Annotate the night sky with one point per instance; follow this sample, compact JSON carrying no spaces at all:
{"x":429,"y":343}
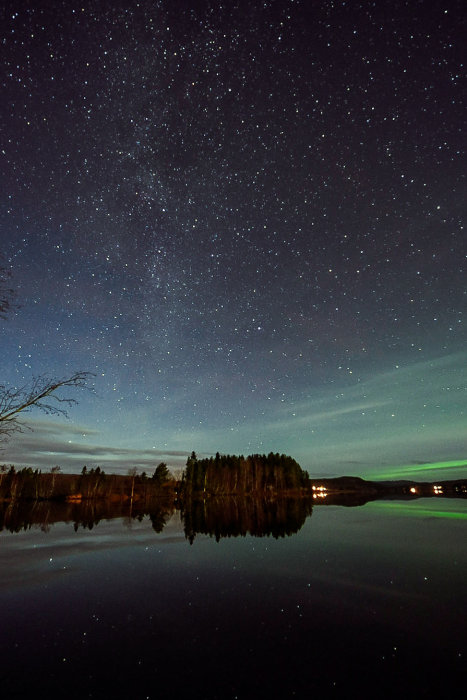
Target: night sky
{"x":246,"y":219}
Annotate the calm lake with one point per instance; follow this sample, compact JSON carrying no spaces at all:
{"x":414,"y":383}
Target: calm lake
{"x":333,"y":599}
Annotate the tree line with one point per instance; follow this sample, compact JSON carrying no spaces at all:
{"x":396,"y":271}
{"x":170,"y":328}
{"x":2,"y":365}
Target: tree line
{"x":91,"y":484}
{"x":219,"y":475}
{"x":231,"y":474}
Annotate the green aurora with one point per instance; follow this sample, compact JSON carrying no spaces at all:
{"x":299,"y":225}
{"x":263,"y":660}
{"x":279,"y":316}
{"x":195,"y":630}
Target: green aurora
{"x":410,"y":471}
{"x":420,"y":510}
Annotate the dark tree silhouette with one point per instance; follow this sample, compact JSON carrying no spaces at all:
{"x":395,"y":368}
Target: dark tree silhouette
{"x":162,"y":474}
{"x":229,"y":474}
{"x":41,"y":394}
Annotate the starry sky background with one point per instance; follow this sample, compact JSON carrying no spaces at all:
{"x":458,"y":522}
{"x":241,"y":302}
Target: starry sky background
{"x":246,"y":219}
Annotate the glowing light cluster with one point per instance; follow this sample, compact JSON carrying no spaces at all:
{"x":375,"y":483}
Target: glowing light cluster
{"x":319,"y":491}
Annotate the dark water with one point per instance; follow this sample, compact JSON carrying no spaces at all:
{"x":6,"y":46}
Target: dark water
{"x":339,"y":601}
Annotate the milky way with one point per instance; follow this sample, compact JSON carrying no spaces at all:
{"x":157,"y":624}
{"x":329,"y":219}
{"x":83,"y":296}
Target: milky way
{"x":246,"y":219}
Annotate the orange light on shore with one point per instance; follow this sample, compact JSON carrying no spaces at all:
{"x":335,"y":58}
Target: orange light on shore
{"x":319,"y":491}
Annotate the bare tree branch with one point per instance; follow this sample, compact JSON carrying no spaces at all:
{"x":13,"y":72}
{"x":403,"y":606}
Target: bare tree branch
{"x":41,"y":394}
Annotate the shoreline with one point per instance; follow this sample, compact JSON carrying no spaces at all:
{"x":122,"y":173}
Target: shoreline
{"x":26,"y":485}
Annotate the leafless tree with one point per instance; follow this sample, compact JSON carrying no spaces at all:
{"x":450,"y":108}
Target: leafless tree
{"x":41,"y":394}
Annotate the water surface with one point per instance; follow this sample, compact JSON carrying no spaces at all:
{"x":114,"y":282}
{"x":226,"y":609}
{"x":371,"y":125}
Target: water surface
{"x":340,"y":601}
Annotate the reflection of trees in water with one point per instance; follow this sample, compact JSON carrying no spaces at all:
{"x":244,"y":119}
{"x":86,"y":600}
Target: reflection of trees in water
{"x":159,"y":519}
{"x":236,"y":516}
{"x":218,"y":517}
{"x":24,"y":515}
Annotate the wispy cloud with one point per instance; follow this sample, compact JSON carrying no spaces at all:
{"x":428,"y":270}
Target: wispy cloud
{"x":50,"y":443}
{"x":305,"y":414}
{"x":51,"y":427}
